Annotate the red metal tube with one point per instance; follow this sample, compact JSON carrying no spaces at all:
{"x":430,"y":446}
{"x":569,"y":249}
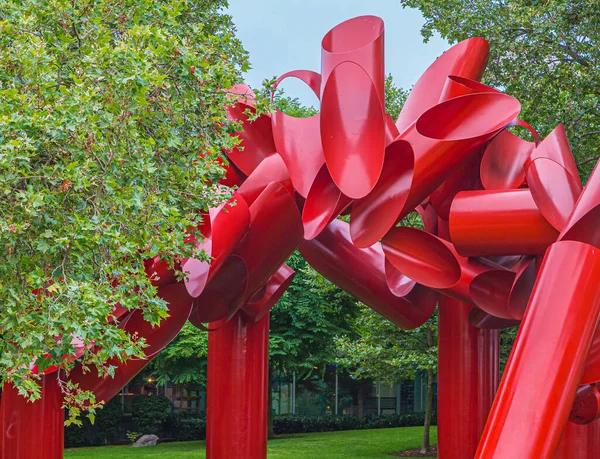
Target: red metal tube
{"x":32,"y":430}
{"x":335,"y":257}
{"x":237,"y":389}
{"x":499,"y":222}
{"x":467,"y":379}
{"x":547,"y":361}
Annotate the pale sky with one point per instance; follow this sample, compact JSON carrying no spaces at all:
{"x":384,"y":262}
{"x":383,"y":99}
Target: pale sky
{"x":286,"y":35}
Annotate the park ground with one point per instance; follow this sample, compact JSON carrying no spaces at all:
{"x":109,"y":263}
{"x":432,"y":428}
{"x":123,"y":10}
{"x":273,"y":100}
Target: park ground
{"x":352,"y":444}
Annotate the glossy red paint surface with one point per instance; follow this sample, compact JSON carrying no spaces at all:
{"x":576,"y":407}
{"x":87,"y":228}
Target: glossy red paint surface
{"x":562,"y":314}
{"x":275,"y":232}
{"x":298,"y":141}
{"x":433,"y":262}
{"x":256,"y":308}
{"x":466,"y":59}
{"x":352,"y":130}
{"x":591,"y":373}
{"x":323,"y":203}
{"x":224,"y":294}
{"x":502,"y":166}
{"x":237,"y":389}
{"x":468,"y":374}
{"x":358,"y":40}
{"x":270,"y":169}
{"x":335,"y":257}
{"x":229,"y":224}
{"x":579,"y":442}
{"x":554,"y":190}
{"x":582,"y":223}
{"x":465,"y":178}
{"x":440,"y":147}
{"x":556,"y":147}
{"x":501,"y":222}
{"x":456,"y":86}
{"x":375,"y":214}
{"x":32,"y":430}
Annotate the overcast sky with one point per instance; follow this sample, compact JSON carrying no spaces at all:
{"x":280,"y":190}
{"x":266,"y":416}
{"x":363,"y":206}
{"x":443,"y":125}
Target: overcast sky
{"x":286,"y":35}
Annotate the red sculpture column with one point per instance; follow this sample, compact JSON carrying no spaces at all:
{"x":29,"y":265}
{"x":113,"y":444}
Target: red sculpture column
{"x":237,"y":388}
{"x":468,"y":371}
{"x":535,"y":398}
{"x":32,"y":430}
{"x":580,"y":441}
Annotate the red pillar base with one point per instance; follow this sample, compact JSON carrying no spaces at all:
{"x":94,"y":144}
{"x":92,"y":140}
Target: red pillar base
{"x":467,"y":379}
{"x":32,"y":430}
{"x":237,"y":389}
{"x":580,"y":441}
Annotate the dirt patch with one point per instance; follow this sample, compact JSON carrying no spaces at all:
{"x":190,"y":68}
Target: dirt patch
{"x":431,"y":452}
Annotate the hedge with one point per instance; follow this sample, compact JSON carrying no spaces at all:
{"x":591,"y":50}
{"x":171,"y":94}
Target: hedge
{"x":289,"y":424}
{"x":112,"y":425}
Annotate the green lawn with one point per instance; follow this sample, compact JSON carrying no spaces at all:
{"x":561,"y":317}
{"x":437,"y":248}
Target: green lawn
{"x":352,"y":444}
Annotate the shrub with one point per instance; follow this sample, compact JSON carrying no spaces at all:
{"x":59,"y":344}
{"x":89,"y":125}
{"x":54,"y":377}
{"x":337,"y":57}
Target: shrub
{"x":106,"y":430}
{"x":150,"y":413}
{"x":289,"y":424}
{"x":190,"y":426}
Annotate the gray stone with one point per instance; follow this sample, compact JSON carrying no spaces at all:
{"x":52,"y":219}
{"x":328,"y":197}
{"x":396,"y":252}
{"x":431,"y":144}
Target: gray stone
{"x":146,"y":440}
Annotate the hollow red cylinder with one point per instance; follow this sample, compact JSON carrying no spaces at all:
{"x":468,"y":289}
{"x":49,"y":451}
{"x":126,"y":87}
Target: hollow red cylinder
{"x":33,"y":430}
{"x":542,"y":375}
{"x":468,"y":372}
{"x":499,"y":222}
{"x":237,"y":388}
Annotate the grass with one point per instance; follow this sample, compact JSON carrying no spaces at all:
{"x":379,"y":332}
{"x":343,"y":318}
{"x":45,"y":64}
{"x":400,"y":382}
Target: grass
{"x":352,"y":444}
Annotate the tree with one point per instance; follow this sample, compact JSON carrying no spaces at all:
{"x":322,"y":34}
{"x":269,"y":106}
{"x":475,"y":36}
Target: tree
{"x":306,"y":322}
{"x":543,"y":53}
{"x":112,"y":121}
{"x":184,"y":361}
{"x":386,"y":353}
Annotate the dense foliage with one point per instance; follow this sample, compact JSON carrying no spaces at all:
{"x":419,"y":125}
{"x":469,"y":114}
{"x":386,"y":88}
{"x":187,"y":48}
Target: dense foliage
{"x":306,"y":320}
{"x":111,"y":121}
{"x":150,"y":413}
{"x":545,"y":53}
{"x":184,"y":361}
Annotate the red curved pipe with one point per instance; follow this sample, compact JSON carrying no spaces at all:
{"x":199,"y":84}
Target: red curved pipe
{"x":334,"y":255}
{"x":466,"y":59}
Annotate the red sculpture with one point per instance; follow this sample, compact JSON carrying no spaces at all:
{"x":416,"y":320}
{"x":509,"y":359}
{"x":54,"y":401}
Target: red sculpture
{"x":510,"y":237}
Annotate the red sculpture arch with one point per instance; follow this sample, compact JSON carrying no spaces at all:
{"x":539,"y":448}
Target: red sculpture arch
{"x":511,"y":237}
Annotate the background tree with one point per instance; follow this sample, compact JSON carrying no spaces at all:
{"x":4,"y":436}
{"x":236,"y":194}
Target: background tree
{"x":305,"y":324}
{"x":545,"y":53}
{"x":385,"y":352}
{"x":111,"y":121}
{"x":184,"y":361}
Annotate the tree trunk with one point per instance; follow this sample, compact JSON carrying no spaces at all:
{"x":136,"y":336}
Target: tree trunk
{"x":426,"y":445}
{"x":361,"y":401}
{"x":270,"y":430}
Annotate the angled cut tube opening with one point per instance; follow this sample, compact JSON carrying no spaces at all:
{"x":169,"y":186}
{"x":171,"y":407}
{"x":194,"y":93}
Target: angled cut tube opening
{"x":422,"y":257}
